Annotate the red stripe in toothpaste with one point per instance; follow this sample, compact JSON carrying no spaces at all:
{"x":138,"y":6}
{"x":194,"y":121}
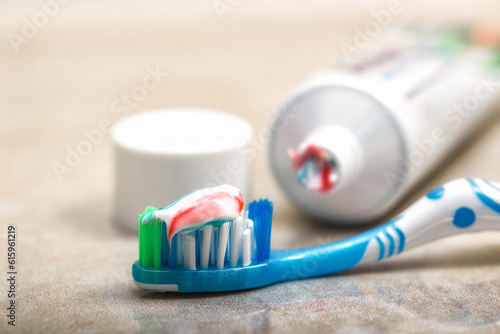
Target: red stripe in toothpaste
{"x":198,"y":209}
{"x":215,"y":206}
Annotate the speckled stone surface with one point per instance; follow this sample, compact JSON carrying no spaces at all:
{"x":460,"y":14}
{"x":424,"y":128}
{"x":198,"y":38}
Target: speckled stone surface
{"x":74,"y":263}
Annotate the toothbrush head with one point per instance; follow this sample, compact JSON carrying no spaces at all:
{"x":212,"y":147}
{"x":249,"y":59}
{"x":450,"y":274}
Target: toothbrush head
{"x":220,"y":254}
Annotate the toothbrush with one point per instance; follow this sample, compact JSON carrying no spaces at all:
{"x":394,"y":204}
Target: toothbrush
{"x":232,"y":251}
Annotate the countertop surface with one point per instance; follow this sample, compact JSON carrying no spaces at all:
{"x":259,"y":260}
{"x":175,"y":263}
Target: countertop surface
{"x":73,"y":262}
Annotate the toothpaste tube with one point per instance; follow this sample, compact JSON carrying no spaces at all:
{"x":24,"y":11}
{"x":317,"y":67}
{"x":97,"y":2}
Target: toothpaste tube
{"x":350,"y":143}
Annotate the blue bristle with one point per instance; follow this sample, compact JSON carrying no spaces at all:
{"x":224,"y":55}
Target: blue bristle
{"x":261,"y":212}
{"x":197,"y":242}
{"x":172,"y":261}
{"x":164,"y":245}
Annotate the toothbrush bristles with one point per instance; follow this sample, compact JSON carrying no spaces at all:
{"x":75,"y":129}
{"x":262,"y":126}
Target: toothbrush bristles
{"x":180,"y":246}
{"x":261,"y":213}
{"x":247,"y":250}
{"x":238,"y":242}
{"x":189,"y":251}
{"x":236,"y":231}
{"x":208,"y":232}
{"x":221,"y":250}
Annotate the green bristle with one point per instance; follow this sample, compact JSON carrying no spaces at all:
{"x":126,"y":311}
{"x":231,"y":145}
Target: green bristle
{"x":145,"y":237}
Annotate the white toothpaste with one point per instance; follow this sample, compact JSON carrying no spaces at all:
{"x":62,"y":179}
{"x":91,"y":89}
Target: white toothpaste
{"x":199,"y":208}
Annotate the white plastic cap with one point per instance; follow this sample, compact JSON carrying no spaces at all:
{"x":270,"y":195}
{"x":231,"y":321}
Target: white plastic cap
{"x":163,"y":155}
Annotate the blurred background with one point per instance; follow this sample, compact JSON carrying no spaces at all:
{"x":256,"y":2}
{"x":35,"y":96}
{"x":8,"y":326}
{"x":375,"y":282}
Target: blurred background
{"x":65,"y":66}
{"x":60,"y":73}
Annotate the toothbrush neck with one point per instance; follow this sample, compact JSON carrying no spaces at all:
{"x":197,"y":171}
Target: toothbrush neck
{"x":319,"y":260}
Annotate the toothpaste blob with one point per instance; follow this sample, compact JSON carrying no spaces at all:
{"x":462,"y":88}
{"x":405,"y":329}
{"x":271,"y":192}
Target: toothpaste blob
{"x":199,"y":208}
{"x":315,"y":167}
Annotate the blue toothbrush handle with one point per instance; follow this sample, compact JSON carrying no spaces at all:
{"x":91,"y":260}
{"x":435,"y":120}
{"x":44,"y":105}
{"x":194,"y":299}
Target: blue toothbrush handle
{"x":462,"y":205}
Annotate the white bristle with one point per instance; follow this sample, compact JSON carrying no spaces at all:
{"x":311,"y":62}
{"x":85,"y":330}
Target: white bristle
{"x":221,"y":249}
{"x":247,"y":248}
{"x":190,"y":251}
{"x":228,"y":247}
{"x":236,"y":231}
{"x":250,"y":224}
{"x":208,"y":232}
{"x":179,"y":249}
